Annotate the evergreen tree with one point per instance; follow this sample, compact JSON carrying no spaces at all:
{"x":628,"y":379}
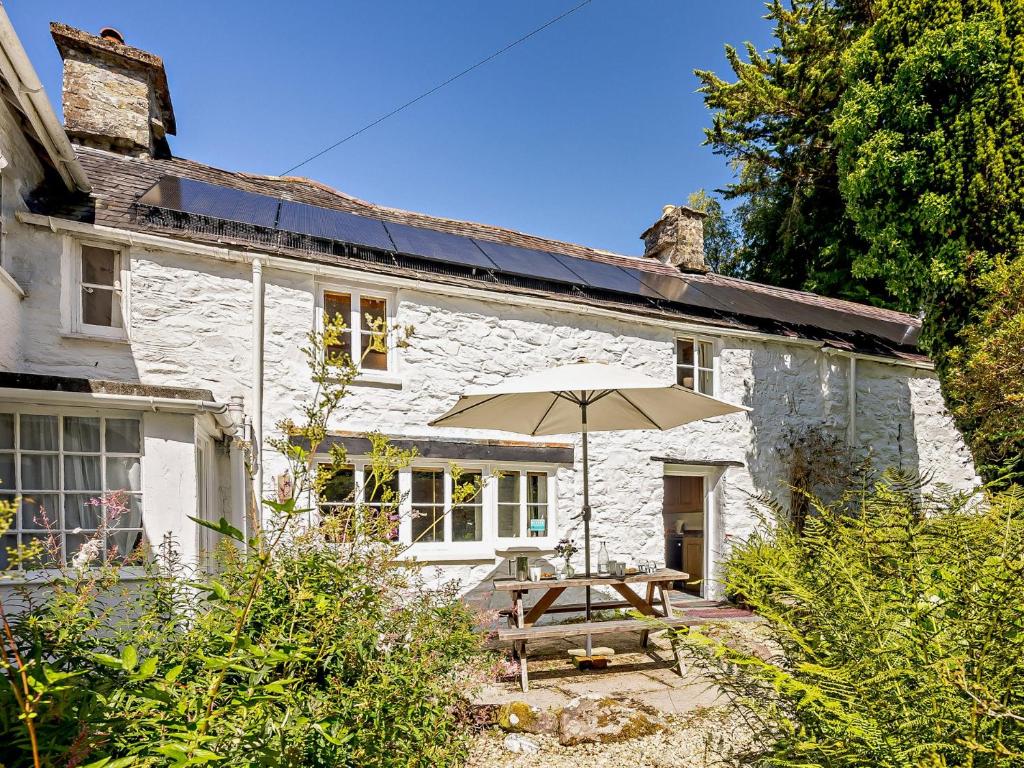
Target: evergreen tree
{"x":774,"y":124}
{"x":721,"y":245}
{"x":931,"y":151}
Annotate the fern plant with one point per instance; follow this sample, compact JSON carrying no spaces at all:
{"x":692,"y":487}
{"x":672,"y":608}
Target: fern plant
{"x":895,"y":633}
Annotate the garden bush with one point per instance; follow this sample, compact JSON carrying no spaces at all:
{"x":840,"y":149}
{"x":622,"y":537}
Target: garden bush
{"x":308,"y":645}
{"x":895,"y":634}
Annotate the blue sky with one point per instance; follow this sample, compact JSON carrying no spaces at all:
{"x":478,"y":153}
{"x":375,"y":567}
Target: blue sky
{"x":582,"y":133}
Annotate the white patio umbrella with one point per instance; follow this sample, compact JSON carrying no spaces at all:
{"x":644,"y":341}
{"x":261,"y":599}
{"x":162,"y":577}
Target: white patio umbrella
{"x":582,"y":397}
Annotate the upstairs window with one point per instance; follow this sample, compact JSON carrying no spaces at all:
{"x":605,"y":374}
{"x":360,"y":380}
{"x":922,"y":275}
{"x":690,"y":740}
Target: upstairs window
{"x":695,"y":365}
{"x":99,"y":302}
{"x":366,"y":316}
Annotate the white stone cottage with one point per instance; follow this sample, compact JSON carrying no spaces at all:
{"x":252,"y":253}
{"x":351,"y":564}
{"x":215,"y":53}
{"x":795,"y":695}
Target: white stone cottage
{"x":153,"y":309}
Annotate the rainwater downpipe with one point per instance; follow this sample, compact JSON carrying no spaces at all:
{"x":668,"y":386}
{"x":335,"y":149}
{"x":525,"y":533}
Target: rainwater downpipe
{"x":257,"y":385}
{"x":851,"y":396}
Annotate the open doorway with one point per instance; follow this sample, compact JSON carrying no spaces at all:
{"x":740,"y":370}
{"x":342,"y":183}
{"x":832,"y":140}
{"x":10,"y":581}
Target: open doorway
{"x":684,"y":515}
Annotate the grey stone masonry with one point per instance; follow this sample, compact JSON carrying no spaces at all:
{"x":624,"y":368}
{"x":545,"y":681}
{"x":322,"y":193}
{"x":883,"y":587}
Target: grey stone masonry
{"x":677,"y":239}
{"x":115,"y":96}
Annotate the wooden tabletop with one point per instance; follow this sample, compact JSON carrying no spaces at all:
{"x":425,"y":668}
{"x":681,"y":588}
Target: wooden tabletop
{"x":662,"y":574}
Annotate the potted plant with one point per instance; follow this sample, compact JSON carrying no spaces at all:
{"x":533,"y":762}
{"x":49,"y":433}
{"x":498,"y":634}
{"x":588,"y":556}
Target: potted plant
{"x":565,"y":549}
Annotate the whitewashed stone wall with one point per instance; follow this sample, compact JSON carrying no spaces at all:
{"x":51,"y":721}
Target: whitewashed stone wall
{"x":191,"y":326}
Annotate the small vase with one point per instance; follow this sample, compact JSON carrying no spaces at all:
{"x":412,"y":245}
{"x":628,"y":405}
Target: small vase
{"x":569,"y":571}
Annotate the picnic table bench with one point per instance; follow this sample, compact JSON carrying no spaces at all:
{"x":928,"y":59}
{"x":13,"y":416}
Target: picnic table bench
{"x":522,"y":621}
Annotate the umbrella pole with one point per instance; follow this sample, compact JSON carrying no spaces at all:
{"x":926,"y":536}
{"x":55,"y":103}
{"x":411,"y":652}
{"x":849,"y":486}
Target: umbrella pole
{"x":586,"y":515}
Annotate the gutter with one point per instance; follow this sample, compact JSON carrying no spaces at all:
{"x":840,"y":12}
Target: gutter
{"x":219,"y":411}
{"x":54,"y":137}
{"x":171,"y":245}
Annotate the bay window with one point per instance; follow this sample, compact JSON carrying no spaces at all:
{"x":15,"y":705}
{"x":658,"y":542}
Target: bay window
{"x":75,"y":478}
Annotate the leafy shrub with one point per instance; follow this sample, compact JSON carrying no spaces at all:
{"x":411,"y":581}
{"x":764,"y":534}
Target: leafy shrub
{"x":895,"y":632}
{"x":310,"y":645}
{"x":985,"y":376}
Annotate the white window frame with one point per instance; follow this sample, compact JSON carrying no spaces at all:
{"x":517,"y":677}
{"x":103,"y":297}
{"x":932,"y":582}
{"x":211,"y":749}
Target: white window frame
{"x":699,"y":365}
{"x":357,"y":292}
{"x":74,"y":284}
{"x":484,"y":549}
{"x":60,"y":412}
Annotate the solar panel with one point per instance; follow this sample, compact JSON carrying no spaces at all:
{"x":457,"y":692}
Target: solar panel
{"x":527,"y":262}
{"x":217,"y":202}
{"x":677,"y":290}
{"x":333,"y":225}
{"x":599,"y":274}
{"x":439,"y":246}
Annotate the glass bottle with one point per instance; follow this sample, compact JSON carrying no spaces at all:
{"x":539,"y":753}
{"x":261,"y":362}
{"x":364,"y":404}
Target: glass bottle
{"x":602,"y":560}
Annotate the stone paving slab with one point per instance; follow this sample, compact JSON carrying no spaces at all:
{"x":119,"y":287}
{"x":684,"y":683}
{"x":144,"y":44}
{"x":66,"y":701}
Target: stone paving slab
{"x":648,"y":677}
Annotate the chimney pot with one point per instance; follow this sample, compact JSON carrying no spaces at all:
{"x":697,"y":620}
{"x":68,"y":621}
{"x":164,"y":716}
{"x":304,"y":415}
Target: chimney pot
{"x":109,"y":33}
{"x":677,"y":239}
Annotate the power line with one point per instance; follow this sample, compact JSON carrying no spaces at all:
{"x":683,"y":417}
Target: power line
{"x":439,"y":86}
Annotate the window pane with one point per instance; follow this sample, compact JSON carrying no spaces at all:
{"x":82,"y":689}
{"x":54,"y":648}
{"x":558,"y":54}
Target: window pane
{"x":536,"y":504}
{"x":38,"y":433}
{"x":123,"y":544}
{"x":6,"y":430}
{"x":508,"y":505}
{"x":684,"y":352}
{"x":468,"y":516}
{"x":49,"y":545}
{"x":40,"y":510}
{"x":707,"y":354}
{"x":81,"y":434}
{"x":123,"y":510}
{"x":122,"y":436}
{"x":428,"y":486}
{"x":82,"y":510}
{"x":124,"y":474}
{"x":82,"y":473}
{"x":375,"y":356}
{"x":373,"y":314}
{"x":707,"y":382}
{"x":427,"y":505}
{"x":508,"y":521}
{"x":101,"y":306}
{"x":8,"y":546}
{"x":98,"y":265}
{"x":338,"y":306}
{"x":39,"y":473}
{"x":684,"y":377}
{"x":373,"y":324}
{"x":508,"y":488}
{"x":340,"y":486}
{"x":381,"y":492}
{"x":7,"y":472}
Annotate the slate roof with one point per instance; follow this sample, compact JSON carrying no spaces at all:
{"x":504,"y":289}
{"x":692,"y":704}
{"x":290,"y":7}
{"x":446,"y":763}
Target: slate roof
{"x":119,"y":180}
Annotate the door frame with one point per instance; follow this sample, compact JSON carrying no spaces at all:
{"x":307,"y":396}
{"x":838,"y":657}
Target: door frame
{"x":712,"y":476}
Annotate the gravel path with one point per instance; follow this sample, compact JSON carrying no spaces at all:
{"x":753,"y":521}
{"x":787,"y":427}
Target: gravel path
{"x":701,"y":739}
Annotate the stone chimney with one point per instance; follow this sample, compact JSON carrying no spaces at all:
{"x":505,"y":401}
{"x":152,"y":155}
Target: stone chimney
{"x":677,"y":239}
{"x":115,"y":96}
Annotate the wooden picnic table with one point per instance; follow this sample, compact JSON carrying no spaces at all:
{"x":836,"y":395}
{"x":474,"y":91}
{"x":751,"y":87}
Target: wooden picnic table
{"x":658,"y":581}
{"x":522,"y":620}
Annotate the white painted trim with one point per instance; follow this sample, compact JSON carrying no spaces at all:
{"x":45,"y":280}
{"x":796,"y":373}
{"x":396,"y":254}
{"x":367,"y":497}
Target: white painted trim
{"x":43,"y":397}
{"x":356,"y":290}
{"x":156,"y":242}
{"x":21,"y":75}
